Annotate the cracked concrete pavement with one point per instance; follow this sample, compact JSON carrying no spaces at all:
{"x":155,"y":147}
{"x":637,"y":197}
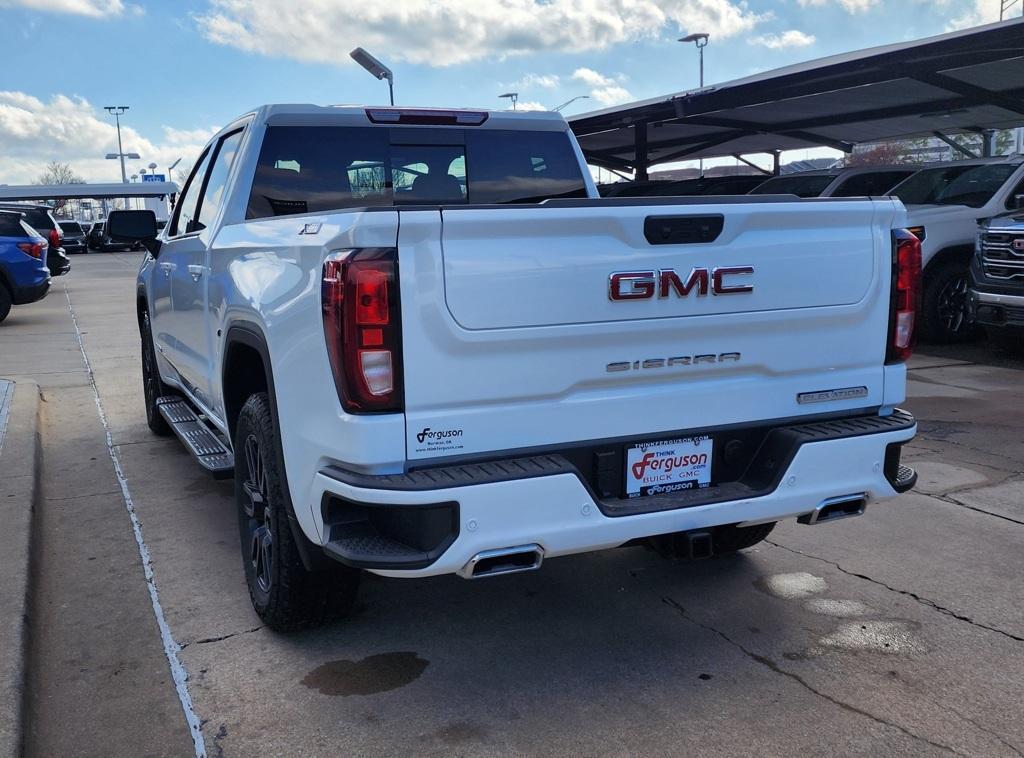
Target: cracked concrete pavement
{"x":898,"y":633}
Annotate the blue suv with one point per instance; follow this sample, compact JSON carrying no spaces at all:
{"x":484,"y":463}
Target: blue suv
{"x":24,"y":276}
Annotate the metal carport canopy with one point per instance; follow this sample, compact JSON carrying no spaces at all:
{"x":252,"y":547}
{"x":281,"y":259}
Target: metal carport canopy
{"x":964,"y":81}
{"x":42,"y":192}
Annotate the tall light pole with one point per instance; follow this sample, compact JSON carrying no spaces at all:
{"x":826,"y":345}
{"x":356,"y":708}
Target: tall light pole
{"x":376,"y":68}
{"x":700,"y":39}
{"x":513,"y":96}
{"x":117,"y":111}
{"x":170,"y":170}
{"x":569,"y":102}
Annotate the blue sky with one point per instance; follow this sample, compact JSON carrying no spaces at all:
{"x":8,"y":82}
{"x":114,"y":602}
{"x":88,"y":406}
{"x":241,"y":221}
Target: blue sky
{"x":187,"y":67}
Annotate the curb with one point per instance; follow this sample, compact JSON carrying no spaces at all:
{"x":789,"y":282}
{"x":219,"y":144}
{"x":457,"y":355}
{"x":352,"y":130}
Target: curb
{"x":19,"y":486}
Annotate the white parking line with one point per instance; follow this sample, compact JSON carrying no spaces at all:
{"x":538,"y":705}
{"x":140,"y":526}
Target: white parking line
{"x":171,"y":647}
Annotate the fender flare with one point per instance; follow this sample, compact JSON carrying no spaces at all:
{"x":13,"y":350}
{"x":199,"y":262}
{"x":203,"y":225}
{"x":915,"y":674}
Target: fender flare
{"x":251,"y":335}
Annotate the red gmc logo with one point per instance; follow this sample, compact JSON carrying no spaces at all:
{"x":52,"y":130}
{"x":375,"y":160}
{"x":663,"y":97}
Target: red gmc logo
{"x":644,"y":285}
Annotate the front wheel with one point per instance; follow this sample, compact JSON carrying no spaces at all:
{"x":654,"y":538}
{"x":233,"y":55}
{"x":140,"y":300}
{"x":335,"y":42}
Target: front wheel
{"x":944,"y":314}
{"x":284,"y":594}
{"x":152,"y":387}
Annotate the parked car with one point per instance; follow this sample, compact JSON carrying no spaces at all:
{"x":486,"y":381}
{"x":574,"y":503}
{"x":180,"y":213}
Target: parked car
{"x":542,"y":374}
{"x":997,"y":279}
{"x":854,"y":181}
{"x":97,"y":239}
{"x":944,"y":206}
{"x":24,"y":277}
{"x":739,"y":184}
{"x":40,"y":218}
{"x":74,"y":237}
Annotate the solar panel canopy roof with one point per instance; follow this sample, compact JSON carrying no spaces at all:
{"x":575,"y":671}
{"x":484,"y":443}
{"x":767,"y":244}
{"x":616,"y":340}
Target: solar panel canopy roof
{"x":965,"y":81}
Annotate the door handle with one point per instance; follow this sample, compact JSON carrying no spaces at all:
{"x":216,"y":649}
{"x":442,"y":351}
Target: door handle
{"x":196,"y":272}
{"x":167,"y":268}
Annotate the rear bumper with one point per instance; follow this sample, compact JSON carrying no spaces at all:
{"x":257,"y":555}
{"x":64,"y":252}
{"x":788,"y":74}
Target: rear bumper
{"x":31,"y":293}
{"x":462,"y":511}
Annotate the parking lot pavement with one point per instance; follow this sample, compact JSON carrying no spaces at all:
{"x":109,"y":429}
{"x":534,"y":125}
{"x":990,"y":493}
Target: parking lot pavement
{"x":899,"y":633}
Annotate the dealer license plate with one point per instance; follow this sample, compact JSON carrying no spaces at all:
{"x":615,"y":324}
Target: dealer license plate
{"x":654,"y":468}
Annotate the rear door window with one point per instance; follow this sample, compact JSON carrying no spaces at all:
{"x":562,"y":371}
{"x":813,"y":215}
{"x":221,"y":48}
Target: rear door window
{"x":213,"y":195}
{"x":10,"y":225}
{"x":306,"y":169}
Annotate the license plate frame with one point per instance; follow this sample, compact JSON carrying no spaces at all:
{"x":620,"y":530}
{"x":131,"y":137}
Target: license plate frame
{"x":659,"y":467}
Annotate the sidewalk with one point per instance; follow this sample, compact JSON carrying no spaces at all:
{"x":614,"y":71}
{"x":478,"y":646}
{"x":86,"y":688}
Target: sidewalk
{"x":19,"y":482}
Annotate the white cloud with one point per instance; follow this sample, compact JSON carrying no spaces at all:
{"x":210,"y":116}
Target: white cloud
{"x":447,"y":32}
{"x":789,"y":38}
{"x":850,"y":6}
{"x":530,"y":105}
{"x":94,"y":8}
{"x":975,"y":13}
{"x":70,"y":129}
{"x":604,"y":89}
{"x":547,"y":81}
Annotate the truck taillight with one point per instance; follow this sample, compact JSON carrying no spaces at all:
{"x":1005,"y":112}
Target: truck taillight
{"x":362,"y":328}
{"x":32,"y":249}
{"x":54,"y":238}
{"x":906,"y":296}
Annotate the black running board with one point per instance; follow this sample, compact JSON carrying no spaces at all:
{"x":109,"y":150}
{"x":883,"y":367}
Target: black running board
{"x":206,"y":447}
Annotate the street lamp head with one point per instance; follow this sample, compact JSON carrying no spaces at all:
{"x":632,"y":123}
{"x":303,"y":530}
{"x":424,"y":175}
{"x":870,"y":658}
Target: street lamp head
{"x":152,"y":167}
{"x":371,"y":64}
{"x":132,"y":156}
{"x":699,"y":38}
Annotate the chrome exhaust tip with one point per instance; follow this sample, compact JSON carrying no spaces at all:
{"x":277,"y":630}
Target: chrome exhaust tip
{"x":506,"y":560}
{"x":835,"y":508}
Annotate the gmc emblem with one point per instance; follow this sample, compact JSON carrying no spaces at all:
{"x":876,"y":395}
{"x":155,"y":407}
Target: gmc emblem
{"x":642,"y":285}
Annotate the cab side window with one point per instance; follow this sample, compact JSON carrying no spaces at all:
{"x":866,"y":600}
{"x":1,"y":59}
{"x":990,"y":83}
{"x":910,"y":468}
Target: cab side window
{"x":185,"y":214}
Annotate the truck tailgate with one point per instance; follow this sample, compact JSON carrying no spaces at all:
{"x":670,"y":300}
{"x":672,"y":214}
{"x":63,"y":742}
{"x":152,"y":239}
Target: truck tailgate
{"x":517,"y":335}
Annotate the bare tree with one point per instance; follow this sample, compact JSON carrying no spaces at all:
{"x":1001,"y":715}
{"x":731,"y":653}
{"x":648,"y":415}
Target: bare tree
{"x":57,"y":172}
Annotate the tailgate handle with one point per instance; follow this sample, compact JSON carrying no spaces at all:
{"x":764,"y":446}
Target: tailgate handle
{"x":683,"y":230}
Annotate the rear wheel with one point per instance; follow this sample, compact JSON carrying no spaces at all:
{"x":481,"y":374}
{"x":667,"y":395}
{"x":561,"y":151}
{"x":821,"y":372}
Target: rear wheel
{"x":5,"y":302}
{"x":944,"y":315}
{"x":152,"y":387}
{"x":284,"y":594}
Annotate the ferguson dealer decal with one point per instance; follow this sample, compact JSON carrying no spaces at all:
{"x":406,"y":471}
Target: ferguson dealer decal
{"x":438,"y":440}
{"x":655,"y":468}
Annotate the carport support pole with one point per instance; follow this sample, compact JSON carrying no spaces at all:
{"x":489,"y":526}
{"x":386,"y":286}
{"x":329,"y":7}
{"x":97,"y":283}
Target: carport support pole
{"x":640,"y":161}
{"x":988,"y":143}
{"x":776,"y":168}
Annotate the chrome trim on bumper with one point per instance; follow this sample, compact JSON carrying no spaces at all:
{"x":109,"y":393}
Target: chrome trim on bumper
{"x":992,"y":298}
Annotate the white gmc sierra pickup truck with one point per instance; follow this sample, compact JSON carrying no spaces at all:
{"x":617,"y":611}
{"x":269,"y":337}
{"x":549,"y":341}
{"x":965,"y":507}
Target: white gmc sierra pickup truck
{"x":422,"y":344}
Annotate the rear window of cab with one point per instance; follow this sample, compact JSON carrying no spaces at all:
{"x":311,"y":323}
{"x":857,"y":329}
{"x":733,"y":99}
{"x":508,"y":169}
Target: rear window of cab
{"x":306,"y":169}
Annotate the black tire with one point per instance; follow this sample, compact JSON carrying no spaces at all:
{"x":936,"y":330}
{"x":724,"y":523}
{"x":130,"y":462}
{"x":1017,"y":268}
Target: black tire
{"x":5,"y":302}
{"x":944,"y":316}
{"x":152,"y":387}
{"x":284,"y":594}
{"x":730,"y":538}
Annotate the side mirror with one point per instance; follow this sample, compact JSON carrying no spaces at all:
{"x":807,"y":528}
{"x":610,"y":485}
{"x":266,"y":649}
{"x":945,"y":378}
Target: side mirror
{"x":134,"y":226}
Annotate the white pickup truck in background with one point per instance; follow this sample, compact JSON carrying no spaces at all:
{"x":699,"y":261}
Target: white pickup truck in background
{"x":422,"y":344}
{"x":945,"y":204}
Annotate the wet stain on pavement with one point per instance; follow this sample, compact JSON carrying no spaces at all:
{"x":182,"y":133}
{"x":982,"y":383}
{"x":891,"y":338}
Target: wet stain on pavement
{"x":794,"y":586}
{"x":370,"y":676}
